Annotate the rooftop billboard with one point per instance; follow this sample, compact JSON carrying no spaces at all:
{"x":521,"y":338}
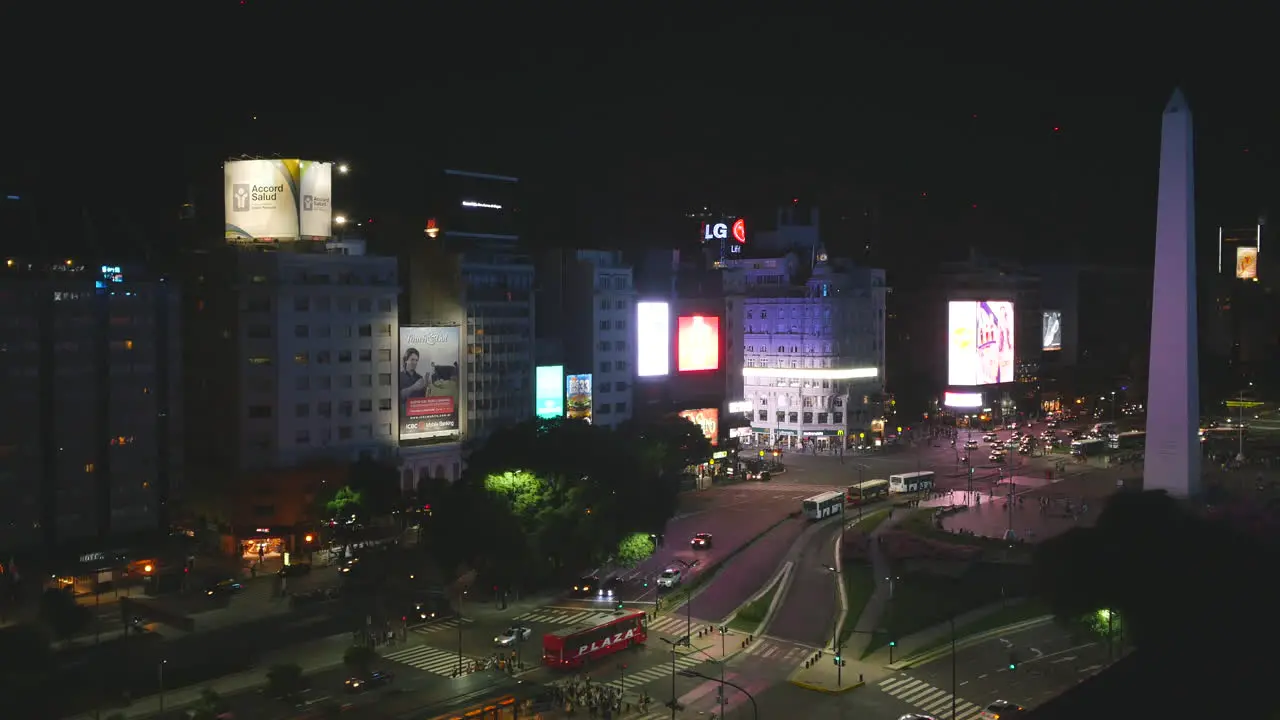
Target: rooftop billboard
{"x":277,"y":200}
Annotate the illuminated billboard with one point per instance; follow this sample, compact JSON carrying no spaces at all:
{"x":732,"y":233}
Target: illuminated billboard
{"x":1051,"y":330}
{"x":428,"y":384}
{"x":962,"y":400}
{"x":980,"y":342}
{"x":697,"y":343}
{"x":708,"y":419}
{"x":1247,"y":263}
{"x":277,"y":200}
{"x":577,"y":393}
{"x":653,"y":339}
{"x":548,"y":391}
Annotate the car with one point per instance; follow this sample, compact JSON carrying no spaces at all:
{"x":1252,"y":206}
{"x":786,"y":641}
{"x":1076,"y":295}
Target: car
{"x":669,"y":578}
{"x":989,"y":437}
{"x":997,"y":457}
{"x":513,"y":635}
{"x":586,"y":587}
{"x":372,"y":681}
{"x":1002,"y":710}
{"x":1051,"y":424}
{"x":1012,"y":426}
{"x":226,"y":586}
{"x":701,"y":541}
{"x":971,"y":445}
{"x":918,"y":716}
{"x":295,"y":570}
{"x":348,"y":564}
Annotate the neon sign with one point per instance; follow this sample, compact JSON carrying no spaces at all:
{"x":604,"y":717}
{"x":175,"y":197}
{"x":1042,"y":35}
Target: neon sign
{"x":723,"y":231}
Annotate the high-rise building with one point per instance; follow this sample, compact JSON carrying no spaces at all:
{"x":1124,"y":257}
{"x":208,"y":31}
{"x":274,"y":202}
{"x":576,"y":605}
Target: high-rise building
{"x":814,"y":364}
{"x":586,"y":304}
{"x":470,"y":271}
{"x":90,"y":371}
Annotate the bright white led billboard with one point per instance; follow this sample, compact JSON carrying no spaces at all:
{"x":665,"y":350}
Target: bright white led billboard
{"x":548,"y":391}
{"x":428,"y":384}
{"x":697,"y":343}
{"x":1051,"y":330}
{"x":653,"y":339}
{"x":277,"y":200}
{"x":980,"y":347}
{"x":962,"y":400}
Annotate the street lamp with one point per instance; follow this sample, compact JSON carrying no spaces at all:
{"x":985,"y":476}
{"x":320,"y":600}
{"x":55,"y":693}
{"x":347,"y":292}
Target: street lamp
{"x":835,"y":628}
{"x":343,"y":168}
{"x":1240,"y":425}
{"x":461,"y":594}
{"x":755,"y":709}
{"x":688,"y":606}
{"x":160,"y":673}
{"x":339,"y":219}
{"x":674,"y":644}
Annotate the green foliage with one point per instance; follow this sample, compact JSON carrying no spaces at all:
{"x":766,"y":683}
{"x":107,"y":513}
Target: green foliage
{"x":545,"y":499}
{"x":377,"y":486}
{"x":285,"y":680}
{"x":634,"y":548}
{"x":209,"y":706}
{"x":60,"y":612}
{"x":359,"y":657}
{"x":344,"y":502}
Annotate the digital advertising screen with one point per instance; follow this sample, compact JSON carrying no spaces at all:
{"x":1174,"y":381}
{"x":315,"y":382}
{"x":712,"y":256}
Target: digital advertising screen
{"x":980,"y":342}
{"x":697,"y":343}
{"x":708,"y":419}
{"x":548,"y":391}
{"x":653,"y":339}
{"x":577,"y":393}
{"x":1247,"y":263}
{"x":965,"y":400}
{"x":1051,"y":328}
{"x":428,"y":384}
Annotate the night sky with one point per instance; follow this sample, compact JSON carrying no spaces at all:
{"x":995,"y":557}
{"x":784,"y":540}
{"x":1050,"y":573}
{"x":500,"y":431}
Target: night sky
{"x":1032,"y":135}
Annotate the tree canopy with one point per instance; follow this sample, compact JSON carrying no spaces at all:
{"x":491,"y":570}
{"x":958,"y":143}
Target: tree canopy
{"x":547,"y":499}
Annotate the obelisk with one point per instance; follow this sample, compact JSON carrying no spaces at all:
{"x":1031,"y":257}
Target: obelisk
{"x":1173,"y":389}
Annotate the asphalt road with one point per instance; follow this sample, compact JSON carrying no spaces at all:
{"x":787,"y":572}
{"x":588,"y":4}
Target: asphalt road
{"x":1048,"y":662}
{"x":745,"y":574}
{"x":808,"y":613}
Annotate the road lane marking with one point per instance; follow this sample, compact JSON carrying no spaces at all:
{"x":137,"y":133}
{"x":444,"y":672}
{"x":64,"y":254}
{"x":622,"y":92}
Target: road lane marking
{"x":1091,"y":668}
{"x":1042,"y":656}
{"x":1068,"y":658}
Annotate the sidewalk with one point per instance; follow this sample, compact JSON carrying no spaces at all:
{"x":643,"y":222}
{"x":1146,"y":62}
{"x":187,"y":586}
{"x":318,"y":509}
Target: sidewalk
{"x":491,"y":610}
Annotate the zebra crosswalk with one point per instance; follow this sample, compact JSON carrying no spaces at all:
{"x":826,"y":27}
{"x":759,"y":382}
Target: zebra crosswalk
{"x":567,"y":616}
{"x":932,"y":700}
{"x":662,"y":670}
{"x":775,"y":650}
{"x":438,"y":625}
{"x":429,"y":659}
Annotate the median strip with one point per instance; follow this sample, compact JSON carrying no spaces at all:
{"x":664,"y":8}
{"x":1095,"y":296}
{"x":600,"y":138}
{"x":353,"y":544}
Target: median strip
{"x":752,"y":614}
{"x":677,"y":598}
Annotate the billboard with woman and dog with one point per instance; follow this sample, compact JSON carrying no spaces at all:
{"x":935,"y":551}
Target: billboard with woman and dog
{"x":428,"y":387}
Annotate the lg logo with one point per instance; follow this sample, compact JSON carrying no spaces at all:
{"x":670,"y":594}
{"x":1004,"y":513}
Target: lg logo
{"x":722,"y":231}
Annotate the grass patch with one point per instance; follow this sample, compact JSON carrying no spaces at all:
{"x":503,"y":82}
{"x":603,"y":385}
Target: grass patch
{"x":859,"y":584}
{"x":922,"y":600}
{"x":750,"y":615}
{"x":870,"y":521}
{"x":920,"y":522}
{"x":1017,"y":612}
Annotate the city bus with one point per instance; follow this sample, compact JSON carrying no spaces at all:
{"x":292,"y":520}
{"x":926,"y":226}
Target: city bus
{"x":866,"y":492}
{"x":570,"y":647}
{"x":911,"y":482}
{"x":824,"y":505}
{"x":1129,"y":440}
{"x":1088,"y":448}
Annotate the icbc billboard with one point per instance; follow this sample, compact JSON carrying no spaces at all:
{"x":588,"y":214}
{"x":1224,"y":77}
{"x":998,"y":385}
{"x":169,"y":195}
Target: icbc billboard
{"x":697,"y":343}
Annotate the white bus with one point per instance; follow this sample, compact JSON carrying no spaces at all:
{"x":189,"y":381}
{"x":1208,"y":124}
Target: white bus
{"x":911,"y":482}
{"x":824,"y":505}
{"x":1089,"y":448}
{"x":866,"y":492}
{"x":1128,"y":440}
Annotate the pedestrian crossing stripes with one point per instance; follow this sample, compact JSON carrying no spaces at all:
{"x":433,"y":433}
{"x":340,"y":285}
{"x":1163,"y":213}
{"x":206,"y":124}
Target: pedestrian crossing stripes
{"x":429,"y":659}
{"x":567,"y":617}
{"x":928,"y":698}
{"x":674,"y":625}
{"x":662,"y":670}
{"x":781,"y":652}
{"x":438,"y":625}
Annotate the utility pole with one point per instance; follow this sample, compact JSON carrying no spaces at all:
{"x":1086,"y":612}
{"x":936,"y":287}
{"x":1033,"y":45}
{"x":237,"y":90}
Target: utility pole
{"x":461,"y":593}
{"x":835,"y":626}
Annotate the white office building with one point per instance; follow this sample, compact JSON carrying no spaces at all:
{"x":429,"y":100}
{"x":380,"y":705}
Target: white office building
{"x":814,"y":349}
{"x":612,"y":303}
{"x":318,"y":334}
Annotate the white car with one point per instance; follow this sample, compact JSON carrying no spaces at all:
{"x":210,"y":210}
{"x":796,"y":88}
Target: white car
{"x":669,"y":578}
{"x":512,"y":635}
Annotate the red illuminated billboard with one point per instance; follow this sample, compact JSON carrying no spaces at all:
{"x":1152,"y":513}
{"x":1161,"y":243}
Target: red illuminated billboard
{"x":697,"y":343}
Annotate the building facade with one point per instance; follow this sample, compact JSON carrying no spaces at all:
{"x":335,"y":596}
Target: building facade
{"x":814,"y":355}
{"x":91,"y":444}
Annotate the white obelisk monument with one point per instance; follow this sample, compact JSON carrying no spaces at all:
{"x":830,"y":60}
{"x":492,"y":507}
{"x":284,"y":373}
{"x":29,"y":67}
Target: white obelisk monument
{"x":1173,"y":389}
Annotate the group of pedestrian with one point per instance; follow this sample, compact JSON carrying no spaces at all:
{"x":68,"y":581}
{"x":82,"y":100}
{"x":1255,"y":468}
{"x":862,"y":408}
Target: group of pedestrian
{"x":603,"y":701}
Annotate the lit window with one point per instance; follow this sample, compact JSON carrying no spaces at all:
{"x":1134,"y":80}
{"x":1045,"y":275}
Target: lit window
{"x":88,"y":467}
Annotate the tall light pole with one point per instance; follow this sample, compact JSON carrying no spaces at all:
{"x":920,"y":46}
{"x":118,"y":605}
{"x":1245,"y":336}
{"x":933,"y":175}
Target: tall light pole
{"x":461,"y":595}
{"x":688,"y":607}
{"x":1240,"y":425}
{"x":674,"y":644}
{"x":835,"y":625}
{"x":755,"y":709}
{"x":160,"y":674}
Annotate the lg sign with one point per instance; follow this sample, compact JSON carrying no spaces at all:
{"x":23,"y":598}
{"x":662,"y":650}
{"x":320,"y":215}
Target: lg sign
{"x":722,"y":231}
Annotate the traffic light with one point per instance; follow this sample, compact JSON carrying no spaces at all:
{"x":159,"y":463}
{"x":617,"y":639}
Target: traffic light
{"x":893,"y":643}
{"x":837,"y":660}
{"x":619,"y":604}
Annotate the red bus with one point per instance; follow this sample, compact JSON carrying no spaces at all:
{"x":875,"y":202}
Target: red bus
{"x":867,"y":492}
{"x":570,"y":647}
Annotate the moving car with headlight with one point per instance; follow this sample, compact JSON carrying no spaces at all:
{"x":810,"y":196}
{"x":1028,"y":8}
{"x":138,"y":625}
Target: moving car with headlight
{"x":373,"y":680}
{"x":701,"y":541}
{"x":669,"y":578}
{"x":1002,"y":709}
{"x":586,"y":587}
{"x":512,"y":635}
